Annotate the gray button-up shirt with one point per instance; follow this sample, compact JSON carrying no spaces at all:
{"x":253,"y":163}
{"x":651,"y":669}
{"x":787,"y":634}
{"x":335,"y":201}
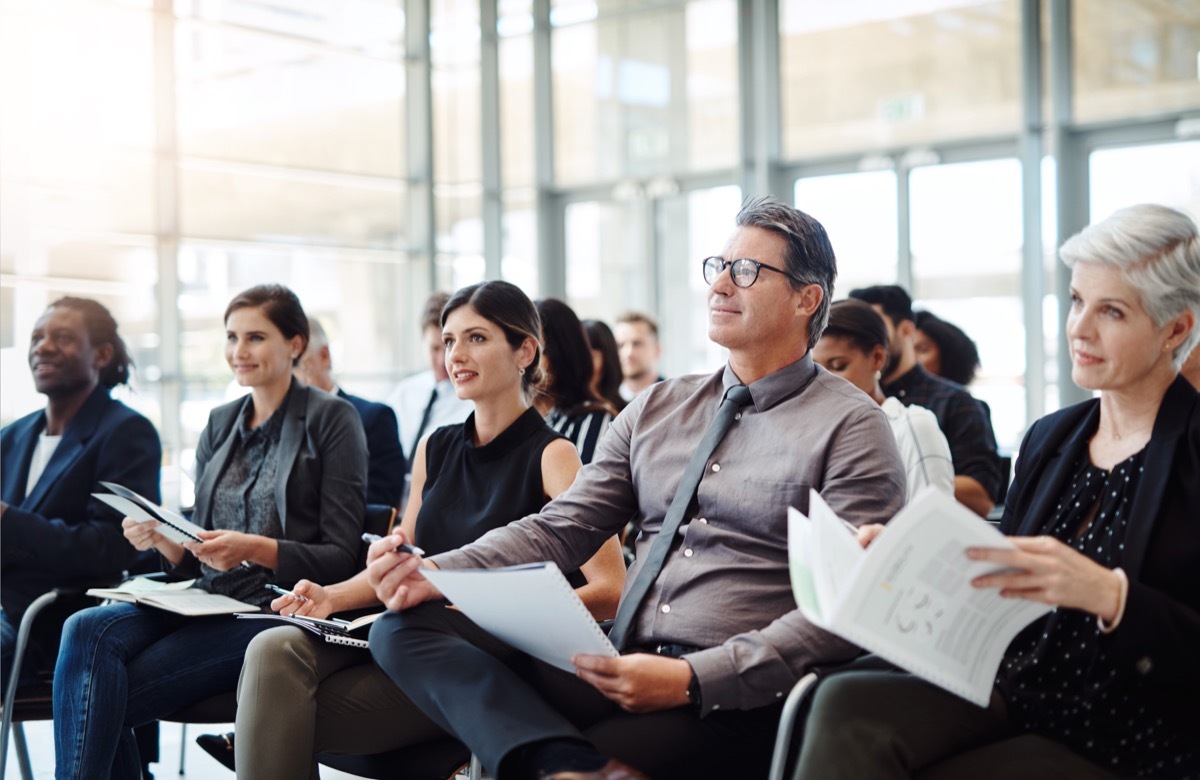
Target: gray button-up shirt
{"x":725,"y":587}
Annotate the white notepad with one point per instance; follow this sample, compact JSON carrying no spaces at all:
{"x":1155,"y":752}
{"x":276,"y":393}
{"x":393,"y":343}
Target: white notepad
{"x":531,"y":607}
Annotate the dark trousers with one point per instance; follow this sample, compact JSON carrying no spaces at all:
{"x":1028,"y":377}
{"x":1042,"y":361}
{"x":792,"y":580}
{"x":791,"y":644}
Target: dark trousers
{"x":892,"y":725}
{"x":496,"y":699}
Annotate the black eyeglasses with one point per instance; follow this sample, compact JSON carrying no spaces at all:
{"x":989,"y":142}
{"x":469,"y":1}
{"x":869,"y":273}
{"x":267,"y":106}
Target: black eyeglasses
{"x":743,"y":271}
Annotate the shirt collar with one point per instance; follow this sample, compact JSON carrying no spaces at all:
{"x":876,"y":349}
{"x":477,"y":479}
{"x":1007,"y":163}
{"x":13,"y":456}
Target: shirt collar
{"x":773,"y":388}
{"x":913,"y":378}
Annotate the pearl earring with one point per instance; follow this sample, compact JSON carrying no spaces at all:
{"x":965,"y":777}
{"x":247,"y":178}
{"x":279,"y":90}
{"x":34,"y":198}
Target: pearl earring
{"x":521,"y":371}
{"x":878,"y":375}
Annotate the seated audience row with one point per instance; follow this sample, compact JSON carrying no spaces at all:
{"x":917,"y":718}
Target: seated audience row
{"x":706,"y":466}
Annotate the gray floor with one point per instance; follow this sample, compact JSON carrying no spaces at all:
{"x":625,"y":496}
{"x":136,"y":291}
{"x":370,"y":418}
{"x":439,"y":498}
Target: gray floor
{"x":198,"y":765}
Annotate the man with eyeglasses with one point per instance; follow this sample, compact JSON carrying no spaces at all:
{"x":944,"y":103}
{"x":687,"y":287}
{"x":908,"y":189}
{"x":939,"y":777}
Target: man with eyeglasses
{"x":707,"y":465}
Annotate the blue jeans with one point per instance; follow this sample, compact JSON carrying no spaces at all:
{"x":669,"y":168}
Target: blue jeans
{"x":121,"y":666}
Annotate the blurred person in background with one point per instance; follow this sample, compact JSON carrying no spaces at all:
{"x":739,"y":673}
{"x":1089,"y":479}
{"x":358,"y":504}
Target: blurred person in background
{"x":944,"y":350}
{"x":854,"y":346}
{"x":639,"y":351}
{"x":964,"y":421}
{"x":566,"y":397}
{"x":426,"y":400}
{"x":606,"y":363}
{"x":385,"y":459}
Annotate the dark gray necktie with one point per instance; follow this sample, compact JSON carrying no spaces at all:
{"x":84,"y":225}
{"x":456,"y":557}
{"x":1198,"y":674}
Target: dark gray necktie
{"x":736,"y":398}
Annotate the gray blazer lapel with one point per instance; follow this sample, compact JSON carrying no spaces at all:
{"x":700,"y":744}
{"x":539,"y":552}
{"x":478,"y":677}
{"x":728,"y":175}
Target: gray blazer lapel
{"x":290,"y":439}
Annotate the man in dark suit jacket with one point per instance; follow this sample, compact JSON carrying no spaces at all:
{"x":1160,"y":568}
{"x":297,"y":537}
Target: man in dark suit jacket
{"x":55,"y":533}
{"x":385,"y":475}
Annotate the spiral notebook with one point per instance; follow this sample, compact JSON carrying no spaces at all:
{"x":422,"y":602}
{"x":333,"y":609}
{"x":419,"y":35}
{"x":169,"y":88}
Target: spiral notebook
{"x":337,"y":632}
{"x":531,"y":607}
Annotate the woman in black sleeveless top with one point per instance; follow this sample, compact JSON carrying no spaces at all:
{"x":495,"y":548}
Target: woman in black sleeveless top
{"x":500,"y":465}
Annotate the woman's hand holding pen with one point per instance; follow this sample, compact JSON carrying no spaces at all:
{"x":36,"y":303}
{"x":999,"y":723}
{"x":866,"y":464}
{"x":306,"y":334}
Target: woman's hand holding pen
{"x":307,"y":598}
{"x":395,"y":574}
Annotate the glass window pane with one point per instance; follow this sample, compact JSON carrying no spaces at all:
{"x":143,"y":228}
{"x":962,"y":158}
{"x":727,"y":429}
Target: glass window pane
{"x":607,"y":267}
{"x":76,"y":119}
{"x":374,"y":27}
{"x":1160,"y":173}
{"x":517,"y":163}
{"x":459,"y":211}
{"x":261,"y":98}
{"x":858,"y":211}
{"x":646,"y":93}
{"x":457,"y":148}
{"x":519,"y":263}
{"x":122,"y":277}
{"x":233,"y":202}
{"x":869,"y":75}
{"x":1135,"y":58}
{"x":966,"y":238}
{"x":691,"y":226}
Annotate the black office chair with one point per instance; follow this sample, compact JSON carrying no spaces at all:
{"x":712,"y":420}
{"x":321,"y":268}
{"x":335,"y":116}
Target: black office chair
{"x":795,"y":708}
{"x":34,"y":701}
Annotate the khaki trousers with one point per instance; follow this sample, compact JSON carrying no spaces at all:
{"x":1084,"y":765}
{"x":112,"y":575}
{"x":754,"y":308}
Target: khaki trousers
{"x":299,"y":695}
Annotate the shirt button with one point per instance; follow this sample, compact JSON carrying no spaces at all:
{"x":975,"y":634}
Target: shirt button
{"x":737,"y":416}
{"x":1144,"y":665}
{"x":716,"y":706}
{"x":716,"y":467}
{"x":666,"y":608}
{"x":703,"y":521}
{"x":687,"y":553}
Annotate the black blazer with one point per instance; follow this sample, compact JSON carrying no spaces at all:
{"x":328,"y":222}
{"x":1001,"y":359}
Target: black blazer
{"x":320,"y":489}
{"x":59,"y":535}
{"x":385,"y":458}
{"x":1159,"y":635}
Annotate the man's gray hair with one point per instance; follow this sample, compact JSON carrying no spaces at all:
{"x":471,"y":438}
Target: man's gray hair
{"x":809,"y":257}
{"x":1157,"y":250}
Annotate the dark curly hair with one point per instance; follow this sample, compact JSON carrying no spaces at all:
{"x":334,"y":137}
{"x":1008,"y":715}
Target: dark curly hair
{"x":958,"y":353}
{"x":101,"y":329}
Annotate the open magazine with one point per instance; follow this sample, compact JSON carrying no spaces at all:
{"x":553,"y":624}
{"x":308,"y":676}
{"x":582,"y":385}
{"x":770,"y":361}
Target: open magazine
{"x":178,"y":597}
{"x":908,"y":597}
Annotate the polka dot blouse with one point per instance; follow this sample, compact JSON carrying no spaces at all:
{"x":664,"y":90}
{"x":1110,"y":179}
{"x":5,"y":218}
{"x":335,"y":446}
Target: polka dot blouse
{"x":1056,"y":677}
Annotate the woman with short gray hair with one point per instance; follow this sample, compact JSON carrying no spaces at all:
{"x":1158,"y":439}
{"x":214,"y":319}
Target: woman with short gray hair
{"x":1103,"y":515}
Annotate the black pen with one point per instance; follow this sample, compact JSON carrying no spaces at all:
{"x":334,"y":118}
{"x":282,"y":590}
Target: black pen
{"x":408,"y":548}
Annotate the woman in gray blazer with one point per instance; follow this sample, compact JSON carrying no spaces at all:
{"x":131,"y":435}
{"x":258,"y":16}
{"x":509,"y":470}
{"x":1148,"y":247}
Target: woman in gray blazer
{"x":280,"y":490}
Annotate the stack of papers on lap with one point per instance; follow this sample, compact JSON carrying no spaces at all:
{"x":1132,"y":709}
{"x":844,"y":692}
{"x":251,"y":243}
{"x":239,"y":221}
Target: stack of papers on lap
{"x":531,"y":607}
{"x":171,"y":525}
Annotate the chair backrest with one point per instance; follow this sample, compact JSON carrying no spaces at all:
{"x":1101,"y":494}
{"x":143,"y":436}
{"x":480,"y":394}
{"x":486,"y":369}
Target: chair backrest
{"x":379,"y":519}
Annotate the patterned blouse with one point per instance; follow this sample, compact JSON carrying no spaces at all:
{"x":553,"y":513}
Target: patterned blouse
{"x":1057,"y":678}
{"x":244,"y":500}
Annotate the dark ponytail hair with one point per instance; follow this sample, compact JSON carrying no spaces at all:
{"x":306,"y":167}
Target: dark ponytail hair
{"x":506,"y":306}
{"x":102,"y":329}
{"x":600,"y":336}
{"x":859,"y":323}
{"x":570,"y":356}
{"x":281,"y":306}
